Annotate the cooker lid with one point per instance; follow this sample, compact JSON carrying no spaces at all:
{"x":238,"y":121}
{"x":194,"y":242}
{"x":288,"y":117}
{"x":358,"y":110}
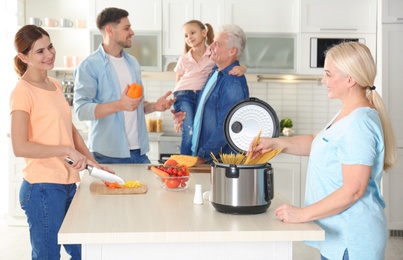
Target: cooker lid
{"x":246,"y":119}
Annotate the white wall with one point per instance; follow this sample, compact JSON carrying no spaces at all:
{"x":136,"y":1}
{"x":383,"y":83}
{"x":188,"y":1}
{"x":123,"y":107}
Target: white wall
{"x":306,"y":103}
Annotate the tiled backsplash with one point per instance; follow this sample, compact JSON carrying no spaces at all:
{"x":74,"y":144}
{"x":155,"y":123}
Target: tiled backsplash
{"x":306,"y":104}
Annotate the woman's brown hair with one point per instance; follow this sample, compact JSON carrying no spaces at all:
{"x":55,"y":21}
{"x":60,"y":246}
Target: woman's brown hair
{"x":23,"y":41}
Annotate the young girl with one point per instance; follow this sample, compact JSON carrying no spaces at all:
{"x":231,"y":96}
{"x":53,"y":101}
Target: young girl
{"x":192,"y":71}
{"x":42,"y":132}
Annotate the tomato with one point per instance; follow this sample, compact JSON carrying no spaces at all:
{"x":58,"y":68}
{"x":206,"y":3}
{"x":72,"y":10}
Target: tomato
{"x":172,"y":184}
{"x":169,"y":170}
{"x":170,"y":162}
{"x":135,"y":90}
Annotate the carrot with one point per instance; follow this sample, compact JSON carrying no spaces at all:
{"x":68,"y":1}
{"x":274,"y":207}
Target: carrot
{"x":112,"y":185}
{"x":162,"y":174}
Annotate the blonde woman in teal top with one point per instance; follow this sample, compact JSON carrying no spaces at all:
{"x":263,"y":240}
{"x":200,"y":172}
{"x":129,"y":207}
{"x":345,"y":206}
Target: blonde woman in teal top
{"x":346,"y":161}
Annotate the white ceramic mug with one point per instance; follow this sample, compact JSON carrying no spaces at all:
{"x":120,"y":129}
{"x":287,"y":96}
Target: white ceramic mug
{"x":68,"y":61}
{"x":81,"y":23}
{"x":50,"y":22}
{"x":65,"y":23}
{"x":35,"y":21}
{"x":75,"y":61}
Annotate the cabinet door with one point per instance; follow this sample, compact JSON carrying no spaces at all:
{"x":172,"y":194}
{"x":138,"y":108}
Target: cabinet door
{"x":266,"y":16}
{"x":209,"y":11}
{"x":392,"y":65}
{"x":143,"y":15}
{"x":287,"y":181}
{"x":392,"y":11}
{"x":14,"y":208}
{"x":304,"y":170}
{"x":338,"y":16}
{"x":175,"y":14}
{"x":287,"y":177}
{"x":393,"y":194}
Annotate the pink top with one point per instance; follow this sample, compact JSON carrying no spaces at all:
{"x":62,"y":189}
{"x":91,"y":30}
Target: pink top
{"x":50,"y":124}
{"x":194,"y":73}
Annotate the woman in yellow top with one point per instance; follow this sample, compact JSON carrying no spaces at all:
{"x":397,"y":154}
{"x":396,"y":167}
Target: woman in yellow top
{"x":42,"y":132}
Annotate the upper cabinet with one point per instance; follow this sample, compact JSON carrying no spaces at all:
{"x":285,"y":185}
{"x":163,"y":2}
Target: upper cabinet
{"x":258,"y":16}
{"x":358,"y":16}
{"x":178,"y":12}
{"x":392,"y":11}
{"x":174,"y":14}
{"x":143,"y":15}
{"x":264,"y":16}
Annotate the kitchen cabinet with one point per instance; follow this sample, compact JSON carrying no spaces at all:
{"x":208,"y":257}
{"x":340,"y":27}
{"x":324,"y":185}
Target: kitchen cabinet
{"x":143,"y":15}
{"x":174,"y":14}
{"x":392,"y":63}
{"x":357,"y":16}
{"x":392,"y":11}
{"x":304,"y":170}
{"x":177,"y":12}
{"x":393,"y":194}
{"x":264,"y":16}
{"x":16,"y":216}
{"x":287,"y":177}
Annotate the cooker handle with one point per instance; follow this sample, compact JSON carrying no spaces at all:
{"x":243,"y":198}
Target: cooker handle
{"x":269,"y":192}
{"x":232,"y":172}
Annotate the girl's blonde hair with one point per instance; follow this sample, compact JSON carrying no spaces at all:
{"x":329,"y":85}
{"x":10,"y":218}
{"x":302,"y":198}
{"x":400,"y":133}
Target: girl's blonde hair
{"x":355,"y":59}
{"x":210,"y":32}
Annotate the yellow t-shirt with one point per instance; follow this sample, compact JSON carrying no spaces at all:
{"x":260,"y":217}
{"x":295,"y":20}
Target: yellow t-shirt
{"x":50,"y":123}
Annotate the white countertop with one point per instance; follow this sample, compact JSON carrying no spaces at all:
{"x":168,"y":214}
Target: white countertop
{"x":161,"y":216}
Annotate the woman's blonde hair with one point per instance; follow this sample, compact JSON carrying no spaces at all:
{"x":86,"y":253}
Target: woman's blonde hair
{"x":355,"y":59}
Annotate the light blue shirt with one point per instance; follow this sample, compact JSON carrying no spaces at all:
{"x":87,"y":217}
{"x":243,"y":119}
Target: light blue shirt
{"x":199,"y":112}
{"x":355,"y":139}
{"x":96,"y":82}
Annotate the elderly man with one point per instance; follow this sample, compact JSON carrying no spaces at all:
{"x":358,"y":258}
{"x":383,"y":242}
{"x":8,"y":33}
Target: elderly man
{"x":118,"y":132}
{"x":221,"y":92}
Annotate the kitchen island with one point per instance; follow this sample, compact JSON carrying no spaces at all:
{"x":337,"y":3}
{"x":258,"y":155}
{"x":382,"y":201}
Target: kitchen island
{"x":163,"y":224}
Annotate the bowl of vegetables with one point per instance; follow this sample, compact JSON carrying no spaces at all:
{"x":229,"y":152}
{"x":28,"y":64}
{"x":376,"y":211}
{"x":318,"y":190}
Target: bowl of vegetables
{"x":172,"y":176}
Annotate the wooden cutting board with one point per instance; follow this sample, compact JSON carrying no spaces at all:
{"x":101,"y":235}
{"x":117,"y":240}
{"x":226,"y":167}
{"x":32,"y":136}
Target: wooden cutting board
{"x":201,"y":168}
{"x":99,"y":188}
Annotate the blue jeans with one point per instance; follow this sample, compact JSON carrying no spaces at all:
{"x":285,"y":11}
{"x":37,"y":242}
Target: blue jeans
{"x":135,"y":157}
{"x":46,"y":205}
{"x":345,"y":256}
{"x":186,"y":101}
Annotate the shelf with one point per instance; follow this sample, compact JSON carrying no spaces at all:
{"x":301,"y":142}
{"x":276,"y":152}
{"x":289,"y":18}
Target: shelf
{"x":64,"y":69}
{"x":57,"y":28}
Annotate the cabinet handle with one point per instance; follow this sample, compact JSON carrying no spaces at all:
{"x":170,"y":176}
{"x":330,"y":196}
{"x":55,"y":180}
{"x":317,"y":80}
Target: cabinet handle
{"x":263,"y":78}
{"x":338,"y":29}
{"x":399,"y":19}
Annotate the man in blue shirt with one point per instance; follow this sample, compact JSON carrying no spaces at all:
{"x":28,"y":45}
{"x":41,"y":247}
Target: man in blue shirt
{"x":221,"y":93}
{"x":117,"y":132}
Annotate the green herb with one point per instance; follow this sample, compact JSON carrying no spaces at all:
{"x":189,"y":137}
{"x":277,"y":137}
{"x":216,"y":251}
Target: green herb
{"x":285,"y":122}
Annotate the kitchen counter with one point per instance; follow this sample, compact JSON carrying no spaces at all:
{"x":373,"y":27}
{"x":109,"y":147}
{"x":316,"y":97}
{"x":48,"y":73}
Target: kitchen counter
{"x":167,"y":225}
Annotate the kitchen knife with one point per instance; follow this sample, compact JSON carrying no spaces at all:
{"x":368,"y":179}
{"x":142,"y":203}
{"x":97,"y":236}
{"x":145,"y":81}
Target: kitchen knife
{"x":100,"y":174}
